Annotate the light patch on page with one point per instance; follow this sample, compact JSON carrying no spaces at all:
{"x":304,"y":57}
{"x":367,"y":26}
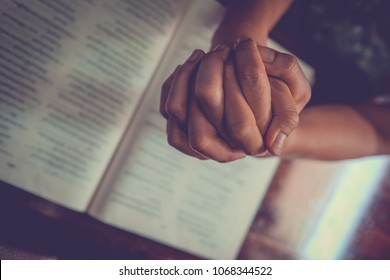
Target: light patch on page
{"x":352,"y":191}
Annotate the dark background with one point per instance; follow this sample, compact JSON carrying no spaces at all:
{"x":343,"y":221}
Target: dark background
{"x":347,"y":42}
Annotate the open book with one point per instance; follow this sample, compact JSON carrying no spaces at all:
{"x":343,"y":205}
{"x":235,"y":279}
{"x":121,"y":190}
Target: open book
{"x":79,"y":124}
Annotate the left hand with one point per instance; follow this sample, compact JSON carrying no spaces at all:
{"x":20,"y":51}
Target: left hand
{"x":215,"y":113}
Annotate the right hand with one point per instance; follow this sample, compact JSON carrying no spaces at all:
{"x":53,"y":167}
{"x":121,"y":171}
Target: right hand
{"x":199,"y":124}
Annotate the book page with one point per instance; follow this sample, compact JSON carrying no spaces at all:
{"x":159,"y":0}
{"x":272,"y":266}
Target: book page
{"x":71,"y":75}
{"x":201,"y":207}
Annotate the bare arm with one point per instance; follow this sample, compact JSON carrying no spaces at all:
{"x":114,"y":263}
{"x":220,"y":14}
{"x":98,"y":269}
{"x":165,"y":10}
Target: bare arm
{"x":250,"y":18}
{"x":332,"y":132}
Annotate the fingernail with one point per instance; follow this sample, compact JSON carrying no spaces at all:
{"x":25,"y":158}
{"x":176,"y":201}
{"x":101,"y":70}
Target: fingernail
{"x":219,"y":47}
{"x":279,"y":143}
{"x":267,"y":54}
{"x":262,"y":154}
{"x":194,"y":56}
{"x":241,"y":39}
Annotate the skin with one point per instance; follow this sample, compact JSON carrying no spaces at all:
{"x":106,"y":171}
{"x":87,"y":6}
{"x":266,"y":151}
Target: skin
{"x":249,"y":19}
{"x":242,"y":99}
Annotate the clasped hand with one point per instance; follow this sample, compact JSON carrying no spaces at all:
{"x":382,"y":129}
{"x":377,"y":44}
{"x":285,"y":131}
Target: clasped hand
{"x":229,"y":103}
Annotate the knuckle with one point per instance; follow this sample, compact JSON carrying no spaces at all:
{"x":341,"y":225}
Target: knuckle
{"x":166,"y":86}
{"x":291,"y":63}
{"x":184,"y":70}
{"x":200,"y":143}
{"x":278,"y":85}
{"x":162,"y":111}
{"x":240,"y":131}
{"x":207,"y":97}
{"x":252,"y":75}
{"x":175,"y":110}
{"x":304,"y":94}
{"x":173,"y":140}
{"x":201,"y":92}
{"x":241,"y":134}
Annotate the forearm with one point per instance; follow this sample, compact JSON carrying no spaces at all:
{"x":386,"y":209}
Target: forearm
{"x":250,"y":18}
{"x":334,"y":132}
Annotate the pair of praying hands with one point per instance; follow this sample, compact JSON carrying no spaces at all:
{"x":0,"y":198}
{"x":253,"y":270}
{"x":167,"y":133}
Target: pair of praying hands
{"x":230,"y":103}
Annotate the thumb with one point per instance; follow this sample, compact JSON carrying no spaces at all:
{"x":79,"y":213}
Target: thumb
{"x":285,"y":117}
{"x":286,"y":68}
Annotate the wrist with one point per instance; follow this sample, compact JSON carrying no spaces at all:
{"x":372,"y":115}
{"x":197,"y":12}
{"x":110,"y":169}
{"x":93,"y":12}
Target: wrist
{"x":229,"y":33}
{"x":249,"y":18}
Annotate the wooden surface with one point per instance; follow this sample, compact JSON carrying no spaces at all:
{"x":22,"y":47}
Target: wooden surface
{"x":32,"y":228}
